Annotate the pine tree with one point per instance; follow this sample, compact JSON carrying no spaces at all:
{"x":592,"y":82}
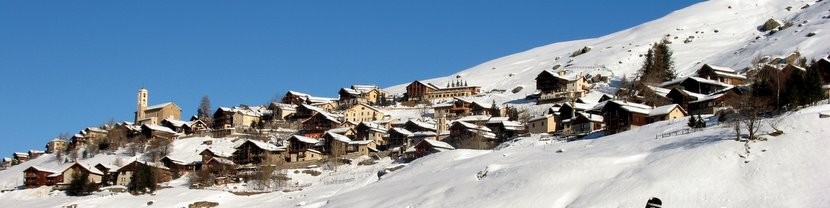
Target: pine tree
{"x":80,"y":185}
{"x":144,"y":179}
{"x":494,"y":110}
{"x":658,"y":65}
{"x":663,"y":62}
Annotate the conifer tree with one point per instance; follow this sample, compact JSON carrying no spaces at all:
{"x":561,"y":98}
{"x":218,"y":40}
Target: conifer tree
{"x":658,"y":65}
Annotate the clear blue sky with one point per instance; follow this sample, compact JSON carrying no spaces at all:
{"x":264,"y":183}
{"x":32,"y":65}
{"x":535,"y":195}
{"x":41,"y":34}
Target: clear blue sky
{"x":67,"y":65}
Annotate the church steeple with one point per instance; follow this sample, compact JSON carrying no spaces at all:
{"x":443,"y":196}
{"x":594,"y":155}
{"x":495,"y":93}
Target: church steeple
{"x":142,"y":104}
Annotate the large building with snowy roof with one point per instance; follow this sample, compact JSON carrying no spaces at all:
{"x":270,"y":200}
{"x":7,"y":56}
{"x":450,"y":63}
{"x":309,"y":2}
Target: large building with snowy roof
{"x":154,"y":114}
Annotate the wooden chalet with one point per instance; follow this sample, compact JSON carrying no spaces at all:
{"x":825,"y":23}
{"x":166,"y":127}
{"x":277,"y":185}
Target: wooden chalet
{"x":180,"y":166}
{"x":110,"y":172}
{"x":185,"y":127}
{"x":582,"y":123}
{"x":721,"y":74}
{"x":560,"y":87}
{"x":281,"y":111}
{"x":416,"y":126}
{"x":370,"y":131}
{"x":399,"y":137}
{"x":301,"y":148}
{"x":257,"y":152}
{"x":621,"y":115}
{"x":295,"y":98}
{"x":696,"y":85}
{"x":461,"y":107}
{"x":35,"y":176}
{"x":319,"y":123}
{"x":504,"y":129}
{"x":126,"y":173}
{"x":429,"y":146}
{"x":683,"y":97}
{"x":465,"y":135}
{"x":366,"y":94}
{"x":153,"y":131}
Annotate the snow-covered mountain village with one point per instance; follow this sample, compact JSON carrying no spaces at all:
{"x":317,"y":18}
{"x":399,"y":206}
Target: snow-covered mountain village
{"x":720,"y":104}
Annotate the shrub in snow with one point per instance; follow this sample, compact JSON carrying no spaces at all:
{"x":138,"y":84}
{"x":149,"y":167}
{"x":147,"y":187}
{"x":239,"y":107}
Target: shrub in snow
{"x":811,"y":34}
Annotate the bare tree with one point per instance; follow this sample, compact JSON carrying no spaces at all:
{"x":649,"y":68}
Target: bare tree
{"x":204,"y":111}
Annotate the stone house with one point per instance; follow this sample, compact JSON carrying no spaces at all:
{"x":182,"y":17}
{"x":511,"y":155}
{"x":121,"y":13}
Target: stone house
{"x":542,"y":124}
{"x":363,"y":112}
{"x":560,"y":86}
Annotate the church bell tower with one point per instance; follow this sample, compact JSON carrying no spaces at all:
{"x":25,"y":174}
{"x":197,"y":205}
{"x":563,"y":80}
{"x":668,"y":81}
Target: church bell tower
{"x":142,"y":104}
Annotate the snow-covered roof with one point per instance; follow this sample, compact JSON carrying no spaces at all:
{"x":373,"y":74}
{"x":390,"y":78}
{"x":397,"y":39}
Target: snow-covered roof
{"x":721,"y":68}
{"x":402,"y":131}
{"x":265,"y":146}
{"x":95,"y":129}
{"x":178,"y":123}
{"x":152,"y":107}
{"x":697,"y":96}
{"x":593,"y":97}
{"x":339,"y":137}
{"x":663,"y":110}
{"x":581,"y":106}
{"x":305,"y":139}
{"x":38,"y":168}
{"x":110,"y":167}
{"x":222,"y":161}
{"x":474,"y":118}
{"x":513,"y":125}
{"x":568,"y":77}
{"x":218,"y":152}
{"x":633,"y":107}
{"x":438,"y":144}
{"x":473,"y":126}
{"x":536,"y":118}
{"x":67,"y":166}
{"x":423,"y":134}
{"x":497,"y":119}
{"x":159,"y":128}
{"x":730,"y":75}
{"x":423,"y":124}
{"x":483,"y":133}
{"x":300,"y":94}
{"x":659,"y":90}
{"x":341,"y":130}
{"x":591,"y":117}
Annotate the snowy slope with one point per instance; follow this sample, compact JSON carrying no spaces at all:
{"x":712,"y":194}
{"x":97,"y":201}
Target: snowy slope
{"x":704,"y":169}
{"x":733,"y":45}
